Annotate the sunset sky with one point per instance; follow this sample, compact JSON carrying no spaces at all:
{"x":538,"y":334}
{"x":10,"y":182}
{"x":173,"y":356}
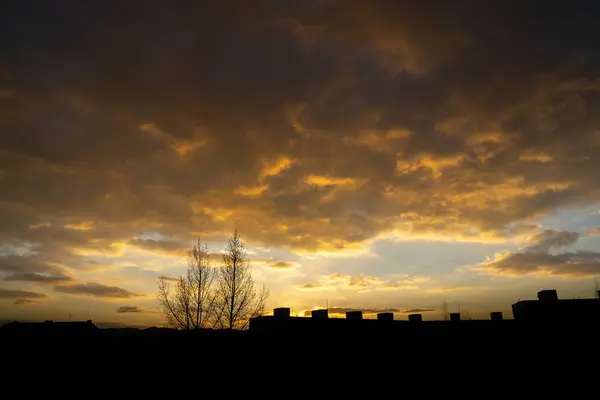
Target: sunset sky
{"x":373,"y":154}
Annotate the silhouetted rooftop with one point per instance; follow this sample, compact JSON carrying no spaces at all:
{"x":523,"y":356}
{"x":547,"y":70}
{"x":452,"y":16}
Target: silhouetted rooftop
{"x":49,"y":328}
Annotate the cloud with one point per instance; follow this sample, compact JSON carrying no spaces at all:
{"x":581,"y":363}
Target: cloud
{"x":594,"y":231}
{"x":38,"y":277}
{"x":460,"y":159}
{"x":418,"y":310}
{"x":20,"y":294}
{"x":31,"y":268}
{"x":129,"y":309}
{"x":366,"y":282}
{"x":551,"y":239}
{"x":283,"y":264}
{"x":94,"y":289}
{"x":21,"y":302}
{"x":170,"y":247}
{"x":310,"y":286}
{"x":569,"y":264}
{"x":537,"y":258}
{"x":168,"y":278}
{"x":349,"y":121}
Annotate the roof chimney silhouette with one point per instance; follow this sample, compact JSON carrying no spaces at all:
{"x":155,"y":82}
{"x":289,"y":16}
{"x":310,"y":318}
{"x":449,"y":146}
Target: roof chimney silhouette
{"x":320,"y":314}
{"x":281,"y":312}
{"x":385,"y":316}
{"x":496,"y":316}
{"x":547,"y":295}
{"x":415,"y":317}
{"x":354,"y":315}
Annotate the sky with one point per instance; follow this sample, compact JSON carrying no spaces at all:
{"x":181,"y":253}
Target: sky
{"x":374,"y":155}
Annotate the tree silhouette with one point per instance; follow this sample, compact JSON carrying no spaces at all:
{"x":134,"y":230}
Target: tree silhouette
{"x":237,"y":295}
{"x":192,"y":304}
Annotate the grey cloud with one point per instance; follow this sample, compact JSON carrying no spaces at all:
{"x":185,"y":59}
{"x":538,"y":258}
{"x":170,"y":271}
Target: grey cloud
{"x":31,"y":268}
{"x":569,"y":264}
{"x":282,"y":264}
{"x":418,"y":310}
{"x":38,"y":277}
{"x":537,"y":258}
{"x":310,"y":286}
{"x":24,"y":294}
{"x":21,"y":302}
{"x":551,"y":238}
{"x":168,"y":278}
{"x":95,"y":289}
{"x":129,"y":309}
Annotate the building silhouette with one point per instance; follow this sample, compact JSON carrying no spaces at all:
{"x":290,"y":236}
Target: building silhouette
{"x":529,"y":317}
{"x":549,"y":308}
{"x":532,"y":319}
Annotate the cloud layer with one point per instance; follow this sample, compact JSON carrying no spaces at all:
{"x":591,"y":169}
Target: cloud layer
{"x":310,"y":126}
{"x":538,"y":258}
{"x":95,"y":289}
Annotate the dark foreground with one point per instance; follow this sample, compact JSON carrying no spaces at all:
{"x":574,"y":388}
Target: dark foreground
{"x":156,"y":362}
{"x":448,"y":341}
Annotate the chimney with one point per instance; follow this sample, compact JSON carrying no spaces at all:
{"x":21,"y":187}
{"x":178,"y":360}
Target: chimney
{"x":415,"y":317}
{"x":547,"y":295}
{"x":385,"y":316}
{"x":496,"y":316}
{"x":320,"y":314}
{"x":281,"y":312}
{"x":354,"y":315}
{"x":455,"y":316}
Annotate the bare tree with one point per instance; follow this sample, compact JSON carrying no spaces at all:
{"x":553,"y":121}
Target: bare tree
{"x":192,"y":304}
{"x":238,"y":298}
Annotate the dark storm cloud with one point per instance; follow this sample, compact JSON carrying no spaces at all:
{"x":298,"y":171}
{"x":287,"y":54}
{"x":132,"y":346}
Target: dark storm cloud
{"x":94,"y":289}
{"x":311,"y":125}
